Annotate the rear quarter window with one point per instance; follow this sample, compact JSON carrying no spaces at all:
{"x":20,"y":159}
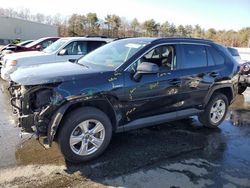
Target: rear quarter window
{"x":216,"y":57}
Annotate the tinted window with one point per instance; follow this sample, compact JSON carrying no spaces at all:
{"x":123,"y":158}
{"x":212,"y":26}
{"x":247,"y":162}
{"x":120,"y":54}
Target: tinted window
{"x":217,"y":58}
{"x":194,"y":56}
{"x":94,"y":44}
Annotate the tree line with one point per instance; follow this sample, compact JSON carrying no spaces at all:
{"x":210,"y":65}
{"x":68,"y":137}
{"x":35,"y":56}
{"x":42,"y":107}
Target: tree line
{"x":115,"y":26}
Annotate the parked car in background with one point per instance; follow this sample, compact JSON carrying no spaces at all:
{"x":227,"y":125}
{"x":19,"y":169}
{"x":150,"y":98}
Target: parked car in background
{"x":65,"y":49}
{"x":244,"y":81}
{"x":234,"y":52}
{"x":124,"y":85}
{"x":36,"y":45}
{"x":11,"y":46}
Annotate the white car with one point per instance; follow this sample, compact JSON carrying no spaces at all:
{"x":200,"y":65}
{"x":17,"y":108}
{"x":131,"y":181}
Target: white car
{"x":64,"y":49}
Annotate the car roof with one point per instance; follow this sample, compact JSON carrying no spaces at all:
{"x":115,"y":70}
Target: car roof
{"x":182,"y":39}
{"x":156,"y":40}
{"x":87,"y":39}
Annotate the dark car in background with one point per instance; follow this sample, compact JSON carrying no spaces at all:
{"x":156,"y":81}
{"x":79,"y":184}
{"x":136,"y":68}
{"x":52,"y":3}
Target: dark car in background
{"x":244,"y":81}
{"x":124,"y":85}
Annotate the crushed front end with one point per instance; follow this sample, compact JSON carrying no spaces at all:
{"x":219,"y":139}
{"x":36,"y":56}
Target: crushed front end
{"x":34,"y":106}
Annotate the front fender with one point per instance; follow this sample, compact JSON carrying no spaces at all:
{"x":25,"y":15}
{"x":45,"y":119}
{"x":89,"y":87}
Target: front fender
{"x":58,"y":115}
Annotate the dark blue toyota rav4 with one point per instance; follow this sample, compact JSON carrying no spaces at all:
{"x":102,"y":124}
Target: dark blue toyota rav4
{"x":127,"y":84}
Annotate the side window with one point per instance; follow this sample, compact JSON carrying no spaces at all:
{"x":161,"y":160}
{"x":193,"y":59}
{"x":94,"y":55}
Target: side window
{"x":163,"y":56}
{"x":193,"y":56}
{"x":217,"y":58}
{"x":210,"y":58}
{"x":92,"y":45}
{"x":46,"y":43}
{"x":76,"y":48}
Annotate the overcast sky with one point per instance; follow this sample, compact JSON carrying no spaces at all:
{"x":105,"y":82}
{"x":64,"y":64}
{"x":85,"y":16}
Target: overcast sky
{"x":219,"y":14}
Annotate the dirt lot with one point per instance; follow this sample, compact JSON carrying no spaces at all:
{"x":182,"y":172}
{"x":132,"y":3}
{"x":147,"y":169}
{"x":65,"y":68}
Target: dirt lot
{"x":176,"y":154}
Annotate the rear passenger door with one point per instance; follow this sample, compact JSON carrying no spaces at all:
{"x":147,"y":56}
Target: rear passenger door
{"x":200,"y":66}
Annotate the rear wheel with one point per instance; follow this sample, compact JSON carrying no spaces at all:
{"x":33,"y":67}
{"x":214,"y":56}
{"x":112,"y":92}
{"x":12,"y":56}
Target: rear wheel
{"x":241,"y":89}
{"x":215,"y":111}
{"x":85,"y":134}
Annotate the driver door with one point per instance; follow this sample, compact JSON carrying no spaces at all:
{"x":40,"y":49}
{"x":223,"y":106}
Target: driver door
{"x":156,"y":93}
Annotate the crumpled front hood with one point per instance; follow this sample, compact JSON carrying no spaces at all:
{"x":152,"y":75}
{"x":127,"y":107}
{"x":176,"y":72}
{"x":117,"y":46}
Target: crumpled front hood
{"x":52,"y":73}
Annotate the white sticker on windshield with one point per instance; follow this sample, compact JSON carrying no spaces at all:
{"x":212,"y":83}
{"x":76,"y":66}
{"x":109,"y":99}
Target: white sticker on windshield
{"x":131,"y":45}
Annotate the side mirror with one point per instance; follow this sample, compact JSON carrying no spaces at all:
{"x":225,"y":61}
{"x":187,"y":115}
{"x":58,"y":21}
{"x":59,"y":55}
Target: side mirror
{"x":63,"y":52}
{"x":146,"y":68}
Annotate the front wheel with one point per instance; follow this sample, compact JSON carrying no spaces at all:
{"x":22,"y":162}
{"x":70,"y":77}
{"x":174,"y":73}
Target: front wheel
{"x":215,"y":111}
{"x":85,"y":134}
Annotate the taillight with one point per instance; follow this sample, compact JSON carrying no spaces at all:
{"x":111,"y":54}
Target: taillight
{"x":246,"y":67}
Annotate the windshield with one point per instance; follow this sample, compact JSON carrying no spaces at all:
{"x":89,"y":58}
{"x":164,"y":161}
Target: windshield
{"x":24,"y":43}
{"x":55,"y":46}
{"x":113,"y":54}
{"x":34,"y":43}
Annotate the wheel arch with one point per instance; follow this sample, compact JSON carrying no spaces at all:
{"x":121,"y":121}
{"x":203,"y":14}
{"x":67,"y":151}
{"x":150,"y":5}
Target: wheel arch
{"x":60,"y":115}
{"x":226,"y":89}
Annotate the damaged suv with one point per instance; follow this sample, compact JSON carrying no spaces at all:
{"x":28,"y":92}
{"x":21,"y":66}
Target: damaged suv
{"x":127,"y":84}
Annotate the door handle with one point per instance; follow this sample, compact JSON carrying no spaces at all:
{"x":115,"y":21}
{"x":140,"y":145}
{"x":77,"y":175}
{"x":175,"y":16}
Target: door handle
{"x":175,"y":82}
{"x":72,"y":60}
{"x":214,"y":74}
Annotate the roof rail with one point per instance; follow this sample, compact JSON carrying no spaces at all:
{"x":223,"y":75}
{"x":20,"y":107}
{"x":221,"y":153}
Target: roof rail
{"x":119,"y":38}
{"x":184,"y":38}
{"x":95,"y":36}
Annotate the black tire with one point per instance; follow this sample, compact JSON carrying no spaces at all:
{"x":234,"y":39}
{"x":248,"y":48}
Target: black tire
{"x":241,"y":89}
{"x":71,"y":121}
{"x":205,"y":117}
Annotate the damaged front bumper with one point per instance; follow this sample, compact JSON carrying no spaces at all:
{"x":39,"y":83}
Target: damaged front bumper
{"x":32,"y":120}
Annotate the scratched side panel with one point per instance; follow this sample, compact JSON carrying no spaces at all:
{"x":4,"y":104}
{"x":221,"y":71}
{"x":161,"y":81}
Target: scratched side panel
{"x":104,"y":85}
{"x":152,"y":95}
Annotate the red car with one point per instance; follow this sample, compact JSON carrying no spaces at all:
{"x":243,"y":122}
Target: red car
{"x":36,"y":45}
{"x":23,"y":43}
